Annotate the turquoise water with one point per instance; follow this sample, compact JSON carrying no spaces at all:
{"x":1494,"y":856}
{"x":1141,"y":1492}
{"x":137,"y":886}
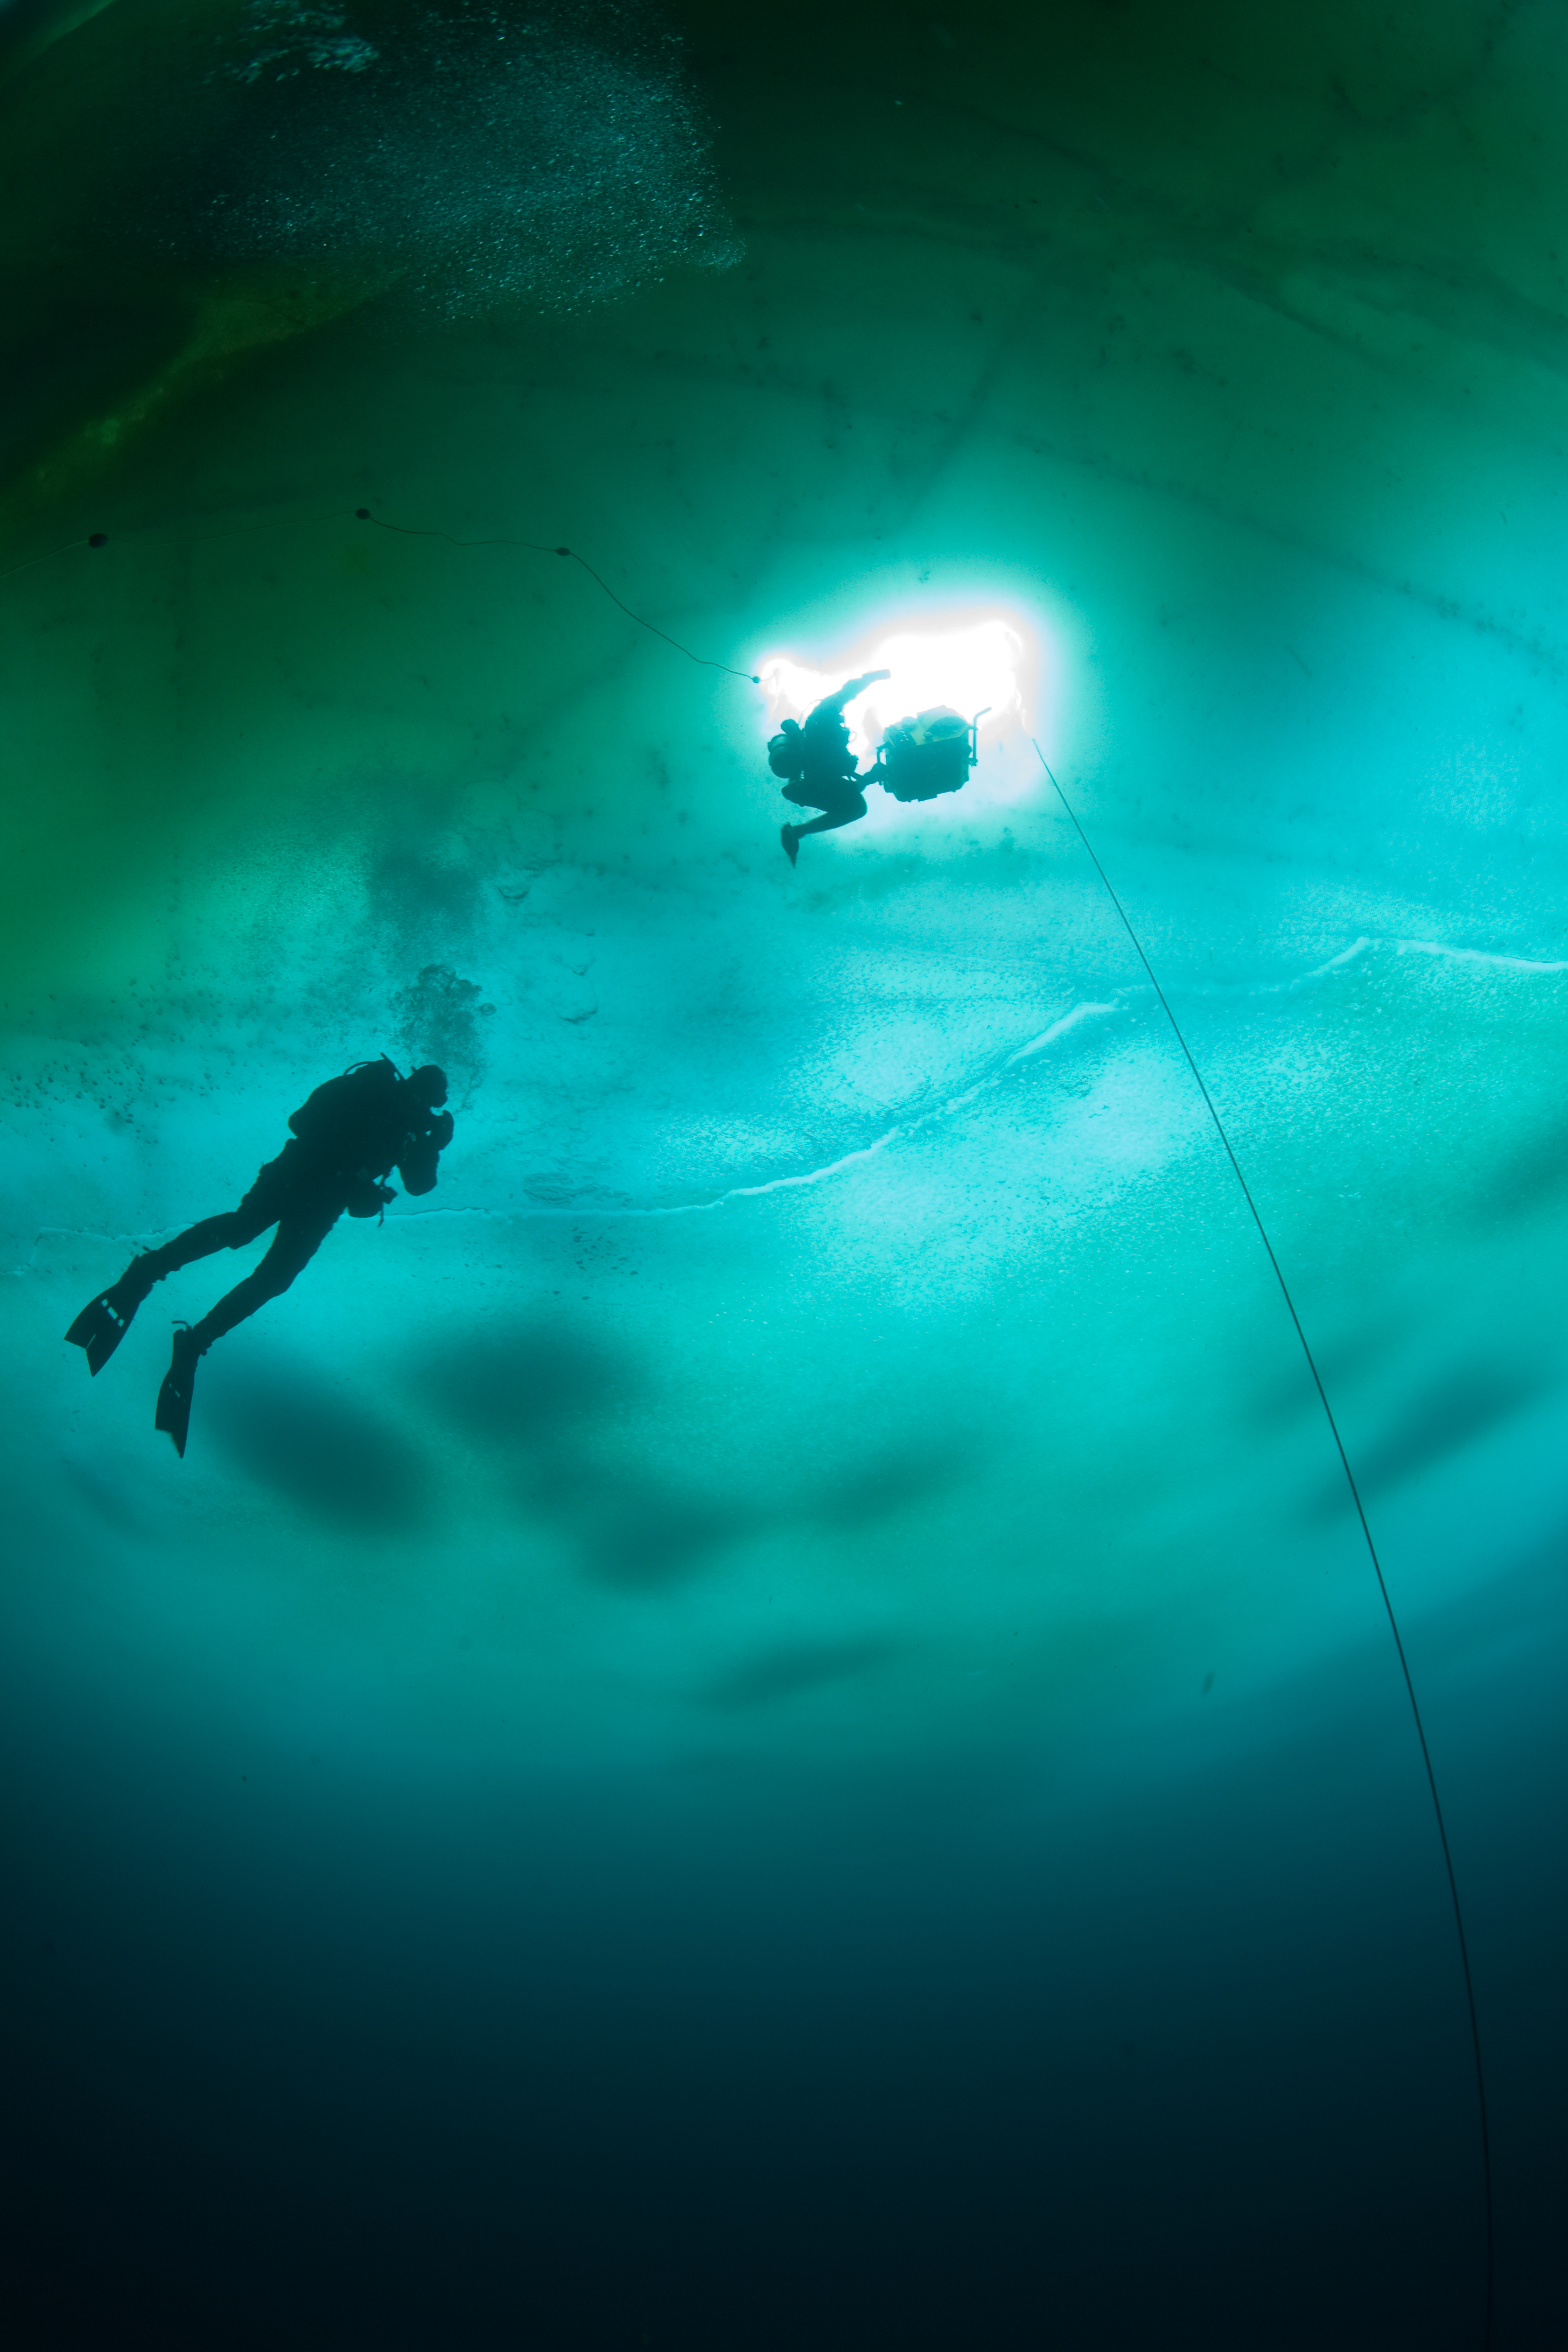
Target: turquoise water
{"x":766,"y":1721}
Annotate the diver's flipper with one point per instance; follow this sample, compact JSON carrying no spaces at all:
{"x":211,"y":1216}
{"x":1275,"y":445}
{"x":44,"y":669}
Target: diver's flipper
{"x":100,"y":1330}
{"x":791,"y":841}
{"x":173,"y":1414}
{"x":100,"y":1327}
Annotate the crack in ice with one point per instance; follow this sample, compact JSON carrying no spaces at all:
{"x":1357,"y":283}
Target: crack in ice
{"x":905,"y":1128}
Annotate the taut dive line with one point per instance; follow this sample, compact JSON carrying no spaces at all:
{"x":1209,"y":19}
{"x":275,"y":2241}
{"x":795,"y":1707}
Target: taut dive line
{"x":1360,"y":1515}
{"x":407,"y":530}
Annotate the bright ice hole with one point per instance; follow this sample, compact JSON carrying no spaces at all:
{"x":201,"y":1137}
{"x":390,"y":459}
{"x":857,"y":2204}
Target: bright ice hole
{"x":972,"y":666}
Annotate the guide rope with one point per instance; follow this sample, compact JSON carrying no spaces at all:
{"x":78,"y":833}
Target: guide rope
{"x":1360,"y":1515}
{"x":363,"y":514}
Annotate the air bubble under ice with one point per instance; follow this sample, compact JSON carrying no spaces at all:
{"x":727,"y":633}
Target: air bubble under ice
{"x":474,"y":158}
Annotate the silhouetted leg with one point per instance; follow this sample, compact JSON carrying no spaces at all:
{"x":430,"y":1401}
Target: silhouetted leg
{"x":300,"y":1235}
{"x":849,"y":813}
{"x":840,"y":813}
{"x":231,"y":1231}
{"x":101,"y":1326}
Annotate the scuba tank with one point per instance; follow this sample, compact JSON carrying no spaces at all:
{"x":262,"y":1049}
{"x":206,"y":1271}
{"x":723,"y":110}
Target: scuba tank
{"x":786,"y":751}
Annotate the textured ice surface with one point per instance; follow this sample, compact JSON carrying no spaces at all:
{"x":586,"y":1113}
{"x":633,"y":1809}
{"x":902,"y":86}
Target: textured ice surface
{"x":471,"y":156}
{"x":782,"y":1673}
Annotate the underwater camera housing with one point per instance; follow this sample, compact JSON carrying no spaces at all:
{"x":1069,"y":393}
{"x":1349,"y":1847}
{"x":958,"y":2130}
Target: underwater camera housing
{"x":924,"y":756}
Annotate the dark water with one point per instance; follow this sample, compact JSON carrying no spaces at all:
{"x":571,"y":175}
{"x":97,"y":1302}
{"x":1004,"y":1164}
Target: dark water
{"x":766,"y":1721}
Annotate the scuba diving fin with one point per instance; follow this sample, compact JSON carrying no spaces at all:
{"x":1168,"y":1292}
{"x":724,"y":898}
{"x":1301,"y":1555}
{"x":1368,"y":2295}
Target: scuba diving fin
{"x":173,"y":1414}
{"x":101,"y":1326}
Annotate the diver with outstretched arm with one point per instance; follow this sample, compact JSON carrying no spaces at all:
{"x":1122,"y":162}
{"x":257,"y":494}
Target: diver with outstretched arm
{"x":347,"y":1138}
{"x":822,"y":771}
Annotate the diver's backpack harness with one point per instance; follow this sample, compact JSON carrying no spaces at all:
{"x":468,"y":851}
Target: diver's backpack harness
{"x":786,"y":752}
{"x":332,"y":1121}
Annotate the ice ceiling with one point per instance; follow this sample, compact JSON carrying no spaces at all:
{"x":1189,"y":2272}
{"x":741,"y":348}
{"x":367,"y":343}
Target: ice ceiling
{"x":800,"y":1615}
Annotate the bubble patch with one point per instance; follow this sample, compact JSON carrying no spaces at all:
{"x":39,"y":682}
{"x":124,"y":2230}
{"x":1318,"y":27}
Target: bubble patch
{"x":294,"y":38}
{"x":473,"y":158}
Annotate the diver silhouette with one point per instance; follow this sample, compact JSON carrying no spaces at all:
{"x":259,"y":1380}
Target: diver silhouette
{"x":346,"y":1137}
{"x":821,"y":771}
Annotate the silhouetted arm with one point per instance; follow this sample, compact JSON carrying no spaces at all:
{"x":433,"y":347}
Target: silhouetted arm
{"x":836,"y":702}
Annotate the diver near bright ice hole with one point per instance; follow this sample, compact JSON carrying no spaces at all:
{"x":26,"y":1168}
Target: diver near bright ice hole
{"x":820,"y":770}
{"x":921,"y":758}
{"x":346,"y":1138}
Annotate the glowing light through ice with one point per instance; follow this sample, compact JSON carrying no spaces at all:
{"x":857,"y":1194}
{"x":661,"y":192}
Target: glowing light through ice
{"x":971,"y":666}
{"x":971,"y":661}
